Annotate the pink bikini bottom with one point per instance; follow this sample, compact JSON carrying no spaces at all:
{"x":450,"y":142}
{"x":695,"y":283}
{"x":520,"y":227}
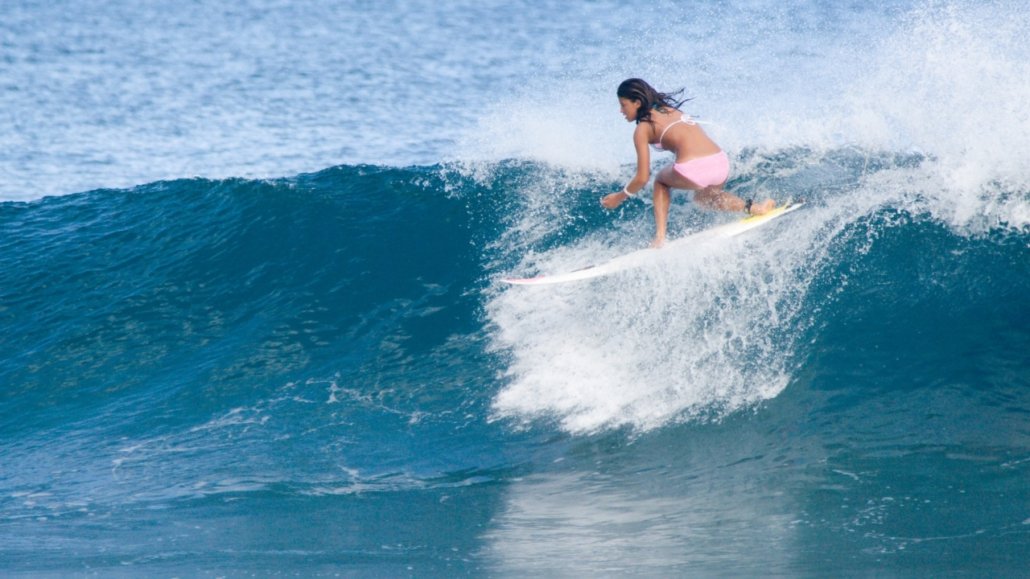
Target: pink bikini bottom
{"x":705,"y":171}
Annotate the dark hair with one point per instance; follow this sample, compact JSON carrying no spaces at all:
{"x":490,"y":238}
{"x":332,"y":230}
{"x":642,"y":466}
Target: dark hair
{"x":650,"y":99}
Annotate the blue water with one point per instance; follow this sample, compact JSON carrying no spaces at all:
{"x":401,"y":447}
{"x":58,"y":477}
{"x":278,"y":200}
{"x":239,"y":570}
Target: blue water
{"x":251,"y":320}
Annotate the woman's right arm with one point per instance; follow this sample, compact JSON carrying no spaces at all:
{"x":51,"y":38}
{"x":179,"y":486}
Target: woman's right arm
{"x":640,"y":141}
{"x":641,"y":137}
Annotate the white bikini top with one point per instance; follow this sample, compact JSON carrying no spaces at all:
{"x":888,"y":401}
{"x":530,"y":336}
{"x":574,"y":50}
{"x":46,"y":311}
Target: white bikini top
{"x":683,"y":119}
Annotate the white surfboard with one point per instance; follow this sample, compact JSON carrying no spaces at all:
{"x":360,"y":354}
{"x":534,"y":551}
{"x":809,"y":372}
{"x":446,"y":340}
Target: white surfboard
{"x":643,"y":256}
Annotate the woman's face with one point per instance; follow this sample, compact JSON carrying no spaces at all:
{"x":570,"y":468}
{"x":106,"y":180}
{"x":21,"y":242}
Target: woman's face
{"x":629,"y":108}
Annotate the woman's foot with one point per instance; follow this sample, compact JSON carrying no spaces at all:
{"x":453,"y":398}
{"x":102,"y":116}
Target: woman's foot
{"x":761,"y":208}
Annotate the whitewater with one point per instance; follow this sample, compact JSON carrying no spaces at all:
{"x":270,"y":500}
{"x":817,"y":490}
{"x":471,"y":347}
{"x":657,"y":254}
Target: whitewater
{"x":252,"y":320}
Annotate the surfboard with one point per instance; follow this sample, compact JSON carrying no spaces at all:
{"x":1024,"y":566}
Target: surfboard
{"x":642,"y":257}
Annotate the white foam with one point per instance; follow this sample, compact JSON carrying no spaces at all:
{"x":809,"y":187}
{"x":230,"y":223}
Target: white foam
{"x":694,"y":335}
{"x":708,"y":330}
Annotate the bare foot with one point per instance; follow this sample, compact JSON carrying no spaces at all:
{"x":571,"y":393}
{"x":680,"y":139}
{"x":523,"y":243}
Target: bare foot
{"x":658,"y":243}
{"x":763,"y":207}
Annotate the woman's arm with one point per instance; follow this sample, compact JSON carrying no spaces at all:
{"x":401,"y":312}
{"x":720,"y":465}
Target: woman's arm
{"x":640,"y":141}
{"x":641,"y":136}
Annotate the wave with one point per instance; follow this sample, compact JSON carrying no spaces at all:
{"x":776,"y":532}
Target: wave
{"x":198,"y":337}
{"x":190,"y":344}
{"x":197,"y":297}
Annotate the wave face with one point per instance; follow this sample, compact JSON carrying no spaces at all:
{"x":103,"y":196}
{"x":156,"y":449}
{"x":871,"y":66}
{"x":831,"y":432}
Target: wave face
{"x":321,"y":373}
{"x":195,"y":352}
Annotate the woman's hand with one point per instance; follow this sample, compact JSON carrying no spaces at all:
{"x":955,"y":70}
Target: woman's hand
{"x":614,"y":200}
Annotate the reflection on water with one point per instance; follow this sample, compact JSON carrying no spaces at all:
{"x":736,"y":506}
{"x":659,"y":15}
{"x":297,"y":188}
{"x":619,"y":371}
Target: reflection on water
{"x":689,"y":500}
{"x":551,"y":526}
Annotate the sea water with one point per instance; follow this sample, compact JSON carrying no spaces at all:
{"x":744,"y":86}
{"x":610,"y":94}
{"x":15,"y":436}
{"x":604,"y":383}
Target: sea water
{"x":251,"y":322}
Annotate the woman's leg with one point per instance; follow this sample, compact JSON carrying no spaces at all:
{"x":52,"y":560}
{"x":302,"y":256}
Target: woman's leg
{"x":662,"y":200}
{"x":712,"y":197}
{"x":715,"y":198}
{"x":666,"y":180}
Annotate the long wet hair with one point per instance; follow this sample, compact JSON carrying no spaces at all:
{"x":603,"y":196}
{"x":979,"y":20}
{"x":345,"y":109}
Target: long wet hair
{"x":650,"y":99}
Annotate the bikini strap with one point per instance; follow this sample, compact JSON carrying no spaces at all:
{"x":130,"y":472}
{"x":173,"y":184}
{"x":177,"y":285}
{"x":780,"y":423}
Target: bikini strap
{"x":683,"y":119}
{"x":667,"y":127}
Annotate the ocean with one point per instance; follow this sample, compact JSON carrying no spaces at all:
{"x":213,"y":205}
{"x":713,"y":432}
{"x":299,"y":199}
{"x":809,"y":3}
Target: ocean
{"x":252,"y":322}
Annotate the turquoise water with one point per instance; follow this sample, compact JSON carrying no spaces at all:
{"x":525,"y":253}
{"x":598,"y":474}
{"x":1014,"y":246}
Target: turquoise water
{"x":301,"y":361}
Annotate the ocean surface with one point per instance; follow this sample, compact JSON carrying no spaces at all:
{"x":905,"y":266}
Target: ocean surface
{"x":251,"y":322}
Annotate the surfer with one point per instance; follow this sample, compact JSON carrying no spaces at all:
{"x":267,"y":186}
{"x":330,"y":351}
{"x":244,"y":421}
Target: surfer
{"x":700,"y":165}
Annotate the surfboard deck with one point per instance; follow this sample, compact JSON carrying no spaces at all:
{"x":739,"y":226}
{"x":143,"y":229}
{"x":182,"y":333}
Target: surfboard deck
{"x":643,"y":256}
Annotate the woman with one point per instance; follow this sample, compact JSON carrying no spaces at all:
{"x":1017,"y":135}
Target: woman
{"x":700,"y":166}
